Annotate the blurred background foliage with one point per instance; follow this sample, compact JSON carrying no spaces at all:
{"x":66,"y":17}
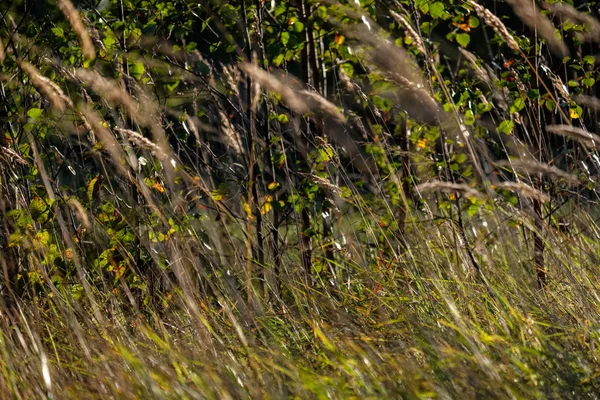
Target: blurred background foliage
{"x":351,"y":198}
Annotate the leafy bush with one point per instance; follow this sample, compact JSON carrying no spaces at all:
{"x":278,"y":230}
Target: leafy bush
{"x":231,"y":199}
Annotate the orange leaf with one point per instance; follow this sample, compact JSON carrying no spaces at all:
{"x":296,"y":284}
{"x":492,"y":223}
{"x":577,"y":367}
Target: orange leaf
{"x":159,"y":187}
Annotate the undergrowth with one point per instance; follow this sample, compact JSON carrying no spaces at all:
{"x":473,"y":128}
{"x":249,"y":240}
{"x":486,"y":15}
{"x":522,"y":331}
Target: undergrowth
{"x":299,"y":199}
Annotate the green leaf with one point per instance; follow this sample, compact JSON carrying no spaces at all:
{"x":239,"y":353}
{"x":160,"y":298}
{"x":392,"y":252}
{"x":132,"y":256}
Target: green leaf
{"x":35,"y":113}
{"x":137,"y":70}
{"x":58,"y":31}
{"x":588,"y":82}
{"x":39,"y":209}
{"x":460,"y":158}
{"x":506,"y":127}
{"x":473,"y":22}
{"x":16,"y":239}
{"x":472,"y":210}
{"x":278,"y":60}
{"x":437,"y":9}
{"x":463,"y":39}
{"x":298,"y":26}
{"x":348,"y":69}
{"x":172,"y":86}
{"x":469,"y":118}
{"x":517,"y":105}
{"x":533,"y":94}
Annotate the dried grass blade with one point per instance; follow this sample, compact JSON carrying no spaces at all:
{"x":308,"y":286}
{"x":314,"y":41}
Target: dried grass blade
{"x":69,"y":10}
{"x":496,"y":24}
{"x":534,"y":167}
{"x":301,"y":101}
{"x":525,"y":190}
{"x":49,"y":89}
{"x":586,"y":138}
{"x":588,"y":101}
{"x":528,"y":12}
{"x":569,"y":12}
{"x":449,"y":187}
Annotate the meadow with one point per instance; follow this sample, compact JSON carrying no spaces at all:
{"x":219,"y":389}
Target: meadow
{"x":299,"y":199}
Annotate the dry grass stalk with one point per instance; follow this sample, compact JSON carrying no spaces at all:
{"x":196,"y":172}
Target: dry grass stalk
{"x":142,"y":141}
{"x":386,"y":55}
{"x":410,"y":32}
{"x":267,"y":80}
{"x":324,"y":183}
{"x":191,"y":123}
{"x":232,"y":78}
{"x":496,"y":24}
{"x":528,"y":12}
{"x":569,"y":12}
{"x":87,"y":47}
{"x":301,"y":101}
{"x":93,"y":121}
{"x":479,"y":72}
{"x":588,"y":101}
{"x":558,"y":84}
{"x":49,"y":89}
{"x":94,"y":34}
{"x":586,"y":138}
{"x":13,"y":155}
{"x":232,"y":140}
{"x":346,"y":81}
{"x":316,"y":102}
{"x":525,"y":190}
{"x":399,"y":67}
{"x":534,"y":167}
{"x":113,"y":93}
{"x":449,"y":187}
{"x":108,"y":89}
{"x":80,"y":211}
{"x":2,"y":53}
{"x":255,"y":88}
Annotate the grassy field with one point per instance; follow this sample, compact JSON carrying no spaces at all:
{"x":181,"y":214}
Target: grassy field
{"x":448,"y":250}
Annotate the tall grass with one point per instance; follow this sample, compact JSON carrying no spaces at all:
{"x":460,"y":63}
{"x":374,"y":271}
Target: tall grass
{"x":435,"y":294}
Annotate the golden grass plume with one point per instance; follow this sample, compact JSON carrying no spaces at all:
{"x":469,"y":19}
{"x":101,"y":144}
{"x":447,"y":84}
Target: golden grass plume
{"x":110,"y":91}
{"x":567,"y":11}
{"x":450,"y":188}
{"x":529,"y":13}
{"x":524,"y":190}
{"x":590,"y":102}
{"x":586,"y":138}
{"x":142,"y":141}
{"x":410,"y":31}
{"x":69,"y":10}
{"x":496,"y":24}
{"x":301,"y":101}
{"x":46,"y":87}
{"x":534,"y":167}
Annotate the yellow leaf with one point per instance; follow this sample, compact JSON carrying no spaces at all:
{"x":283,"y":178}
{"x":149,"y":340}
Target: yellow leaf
{"x":574,"y":114}
{"x":248,"y":210}
{"x":266,"y":208}
{"x":94,"y":186}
